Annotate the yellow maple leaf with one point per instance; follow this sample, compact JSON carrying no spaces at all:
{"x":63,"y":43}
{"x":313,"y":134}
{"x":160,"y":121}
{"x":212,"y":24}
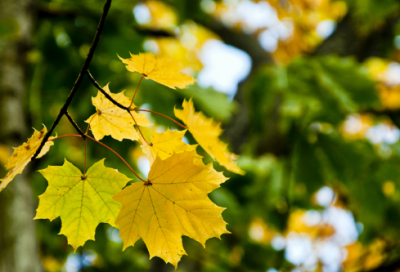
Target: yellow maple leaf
{"x":5,"y":153}
{"x":163,"y":70}
{"x":81,"y":201}
{"x":173,"y":202}
{"x":163,"y":16}
{"x":165,"y":144}
{"x":22,"y":156}
{"x":207,"y":132}
{"x":114,"y":121}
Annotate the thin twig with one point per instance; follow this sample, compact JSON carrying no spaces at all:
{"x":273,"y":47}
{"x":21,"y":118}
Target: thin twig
{"x":84,"y":169}
{"x":78,"y":81}
{"x":62,"y":136}
{"x":104,"y":92}
{"x":109,"y":148}
{"x":90,"y":121}
{"x":137,"y":88}
{"x":176,"y":122}
{"x":78,"y":129}
{"x":147,"y":142}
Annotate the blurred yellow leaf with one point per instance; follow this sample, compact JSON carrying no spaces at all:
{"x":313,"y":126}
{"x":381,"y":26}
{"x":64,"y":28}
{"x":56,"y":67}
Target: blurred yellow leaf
{"x":162,"y":15}
{"x":298,"y":224}
{"x":390,"y":96}
{"x":299,"y":18}
{"x":261,"y":232}
{"x":356,"y":126}
{"x":173,"y":202}
{"x":389,"y":93}
{"x":388,"y":188}
{"x":4,"y":154}
{"x":22,"y":156}
{"x":364,"y":258}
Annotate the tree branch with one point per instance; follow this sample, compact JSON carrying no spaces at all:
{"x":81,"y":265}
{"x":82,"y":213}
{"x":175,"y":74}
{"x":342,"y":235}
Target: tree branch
{"x":105,"y":93}
{"x":78,"y":81}
{"x":74,"y":124}
{"x":347,"y":40}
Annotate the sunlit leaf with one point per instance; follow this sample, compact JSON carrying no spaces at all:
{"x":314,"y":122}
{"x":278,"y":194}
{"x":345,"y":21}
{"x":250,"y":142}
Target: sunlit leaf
{"x":23,"y":154}
{"x":81,"y":201}
{"x":165,"y":144}
{"x":163,"y":70}
{"x":114,"y":121}
{"x":207,"y":132}
{"x":172,"y":203}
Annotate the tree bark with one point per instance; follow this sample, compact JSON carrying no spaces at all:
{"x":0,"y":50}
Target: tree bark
{"x":18,"y":242}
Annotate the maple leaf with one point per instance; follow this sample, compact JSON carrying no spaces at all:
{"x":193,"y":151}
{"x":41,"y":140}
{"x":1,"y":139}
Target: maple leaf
{"x":165,"y":144}
{"x":207,"y":132}
{"x":174,"y":202}
{"x":114,"y":121}
{"x":22,"y":156}
{"x":163,"y":70}
{"x":81,"y":201}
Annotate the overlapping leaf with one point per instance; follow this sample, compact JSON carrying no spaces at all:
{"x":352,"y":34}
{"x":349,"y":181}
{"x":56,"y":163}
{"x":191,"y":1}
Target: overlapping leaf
{"x":207,"y":132}
{"x":165,"y":144}
{"x":81,"y":201}
{"x":160,"y":69}
{"x":173,"y":203}
{"x":23,"y":154}
{"x":114,"y":121}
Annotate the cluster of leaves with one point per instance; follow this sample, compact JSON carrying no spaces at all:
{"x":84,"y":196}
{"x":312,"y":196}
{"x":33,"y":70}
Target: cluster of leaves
{"x":172,"y":202}
{"x":295,"y":142}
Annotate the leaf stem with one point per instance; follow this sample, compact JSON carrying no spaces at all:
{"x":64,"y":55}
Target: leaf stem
{"x":165,"y":116}
{"x":109,"y":148}
{"x":119,"y":156}
{"x":150,"y":144}
{"x":137,"y":87}
{"x":90,"y":121}
{"x":62,"y":136}
{"x":84,"y":168}
{"x":78,"y":81}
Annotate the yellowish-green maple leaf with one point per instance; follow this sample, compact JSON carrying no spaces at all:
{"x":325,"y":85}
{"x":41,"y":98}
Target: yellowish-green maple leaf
{"x":163,"y":70}
{"x":173,"y":202}
{"x":81,"y":201}
{"x":114,"y":121}
{"x":23,"y":154}
{"x":207,"y":132}
{"x":165,"y":144}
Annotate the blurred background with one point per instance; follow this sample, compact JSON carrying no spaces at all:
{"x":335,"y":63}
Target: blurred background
{"x":308,"y":92}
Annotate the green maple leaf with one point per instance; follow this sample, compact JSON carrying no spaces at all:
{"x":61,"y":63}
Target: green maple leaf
{"x":81,"y":201}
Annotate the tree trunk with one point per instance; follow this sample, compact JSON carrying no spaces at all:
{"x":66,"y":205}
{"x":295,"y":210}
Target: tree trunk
{"x":18,"y":243}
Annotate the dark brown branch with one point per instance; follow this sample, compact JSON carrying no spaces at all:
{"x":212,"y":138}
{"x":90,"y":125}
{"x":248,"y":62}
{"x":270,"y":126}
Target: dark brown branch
{"x":105,"y":93}
{"x":78,"y":81}
{"x":75,"y":125}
